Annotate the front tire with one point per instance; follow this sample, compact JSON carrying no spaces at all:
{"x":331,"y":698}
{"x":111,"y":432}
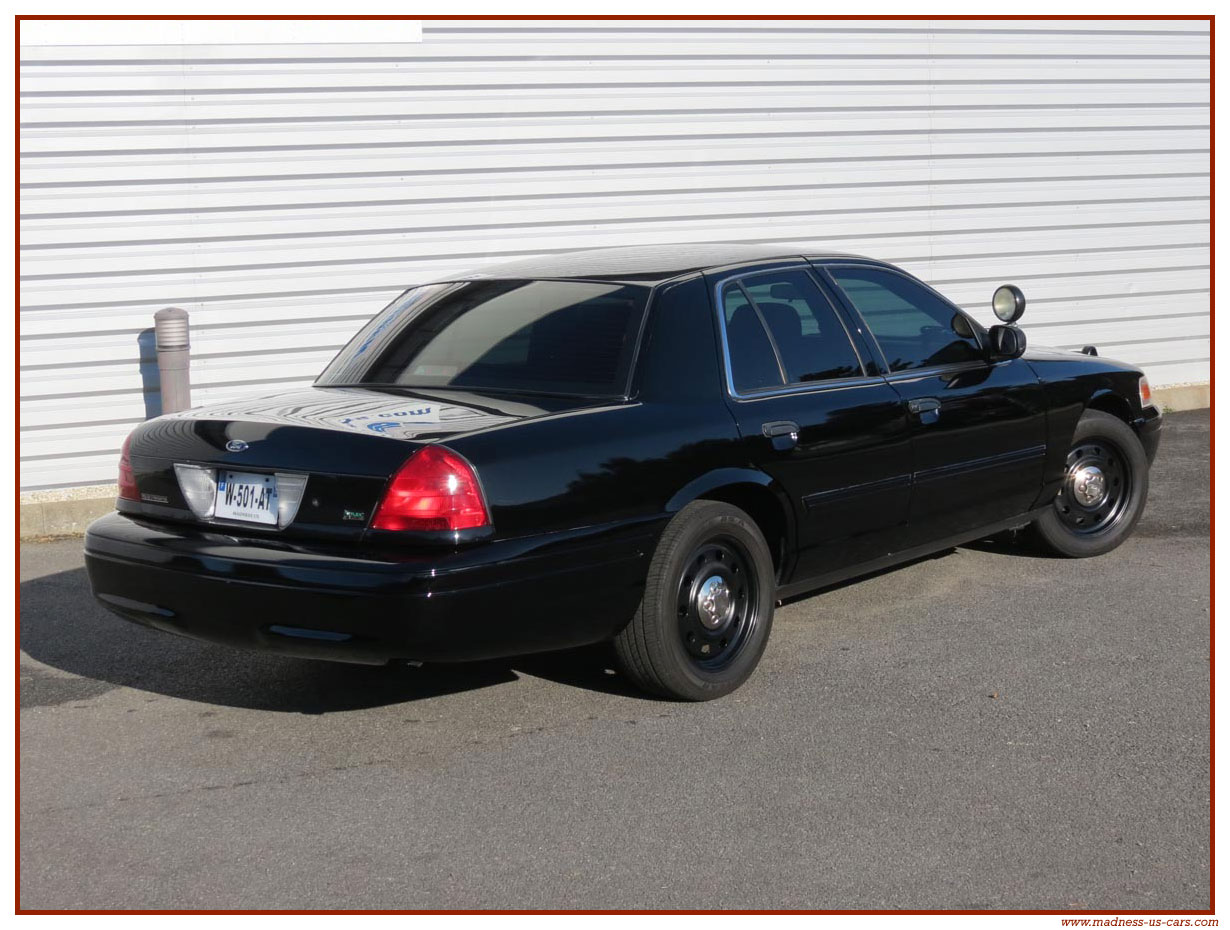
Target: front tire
{"x":705,"y":617}
{"x":1103,"y":492}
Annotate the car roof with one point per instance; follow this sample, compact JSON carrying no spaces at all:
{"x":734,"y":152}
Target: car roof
{"x":645,"y":264}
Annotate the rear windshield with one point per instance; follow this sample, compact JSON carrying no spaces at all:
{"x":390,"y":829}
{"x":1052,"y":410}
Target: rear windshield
{"x":558,"y":337}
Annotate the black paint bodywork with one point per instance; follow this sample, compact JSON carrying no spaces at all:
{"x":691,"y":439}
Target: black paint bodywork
{"x":580,"y":490}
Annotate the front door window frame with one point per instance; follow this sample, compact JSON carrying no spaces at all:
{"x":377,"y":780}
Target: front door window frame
{"x":822,"y":268}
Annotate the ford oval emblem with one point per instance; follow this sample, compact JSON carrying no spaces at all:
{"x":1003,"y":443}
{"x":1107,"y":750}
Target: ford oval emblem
{"x":236,"y":445}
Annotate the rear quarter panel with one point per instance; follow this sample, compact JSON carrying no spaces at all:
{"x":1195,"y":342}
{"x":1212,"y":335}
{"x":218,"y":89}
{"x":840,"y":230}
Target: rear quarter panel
{"x":622,"y":462}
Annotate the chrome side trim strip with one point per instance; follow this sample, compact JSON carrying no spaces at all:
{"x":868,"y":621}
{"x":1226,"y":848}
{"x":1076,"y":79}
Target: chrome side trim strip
{"x":1027,"y":454}
{"x":917,"y":374}
{"x":979,"y":464}
{"x":856,"y":490}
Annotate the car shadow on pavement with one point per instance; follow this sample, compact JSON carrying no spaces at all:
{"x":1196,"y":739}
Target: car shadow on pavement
{"x":859,"y":579}
{"x":65,"y":631}
{"x":1015,"y":543}
{"x":1009,"y":543}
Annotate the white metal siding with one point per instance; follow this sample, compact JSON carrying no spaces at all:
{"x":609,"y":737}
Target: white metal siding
{"x":283,"y":194}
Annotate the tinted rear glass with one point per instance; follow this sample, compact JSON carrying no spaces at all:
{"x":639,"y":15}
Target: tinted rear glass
{"x":566,"y":337}
{"x":753,"y":363}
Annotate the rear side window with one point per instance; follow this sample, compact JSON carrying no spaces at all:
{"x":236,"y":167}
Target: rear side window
{"x":753,"y":361}
{"x":810,"y":338}
{"x":560,"y":337}
{"x":782,"y":330}
{"x":914,"y":327}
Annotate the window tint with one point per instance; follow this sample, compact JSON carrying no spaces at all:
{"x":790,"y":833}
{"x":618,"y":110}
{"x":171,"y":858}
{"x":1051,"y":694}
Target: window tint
{"x":568,"y":337}
{"x":915,"y":328}
{"x":753,"y":364}
{"x":810,"y":339}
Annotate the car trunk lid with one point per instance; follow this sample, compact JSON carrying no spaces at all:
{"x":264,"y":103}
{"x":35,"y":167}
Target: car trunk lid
{"x":346,"y":443}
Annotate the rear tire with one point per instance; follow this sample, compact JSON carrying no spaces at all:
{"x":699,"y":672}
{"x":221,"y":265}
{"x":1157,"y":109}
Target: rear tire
{"x":1103,"y":493}
{"x":705,"y":616}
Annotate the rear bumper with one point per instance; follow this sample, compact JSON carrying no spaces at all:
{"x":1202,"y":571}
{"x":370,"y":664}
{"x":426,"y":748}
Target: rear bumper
{"x":493,"y":599}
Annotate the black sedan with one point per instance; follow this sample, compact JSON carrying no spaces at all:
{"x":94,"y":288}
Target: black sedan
{"x":644,"y":446}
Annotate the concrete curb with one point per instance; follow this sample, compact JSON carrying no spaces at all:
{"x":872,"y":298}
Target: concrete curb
{"x":42,"y":518}
{"x":1182,"y":397}
{"x":62,"y":518}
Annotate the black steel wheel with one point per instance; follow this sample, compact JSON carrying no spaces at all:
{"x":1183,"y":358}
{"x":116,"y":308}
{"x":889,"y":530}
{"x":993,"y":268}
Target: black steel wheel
{"x":705,"y":616}
{"x":1096,"y":488}
{"x":717,"y":595}
{"x":1105,"y":486}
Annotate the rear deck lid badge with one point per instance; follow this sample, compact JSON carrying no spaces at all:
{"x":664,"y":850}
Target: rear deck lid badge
{"x":236,"y":445}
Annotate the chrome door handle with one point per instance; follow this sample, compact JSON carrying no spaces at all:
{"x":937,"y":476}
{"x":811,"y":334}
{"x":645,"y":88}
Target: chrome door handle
{"x":927,"y":409}
{"x":784,"y":434}
{"x":779,"y":428}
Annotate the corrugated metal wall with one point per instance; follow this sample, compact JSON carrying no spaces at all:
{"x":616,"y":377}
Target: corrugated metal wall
{"x":282,"y":194}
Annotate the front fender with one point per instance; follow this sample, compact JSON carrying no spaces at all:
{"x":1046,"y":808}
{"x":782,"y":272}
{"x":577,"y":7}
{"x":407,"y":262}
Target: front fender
{"x":1075,"y":383}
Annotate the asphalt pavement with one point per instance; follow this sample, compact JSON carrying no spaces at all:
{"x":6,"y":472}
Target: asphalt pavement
{"x":988,"y":728}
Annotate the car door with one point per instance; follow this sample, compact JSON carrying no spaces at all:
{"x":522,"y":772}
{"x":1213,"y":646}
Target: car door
{"x":815,"y":413}
{"x":978,"y":425}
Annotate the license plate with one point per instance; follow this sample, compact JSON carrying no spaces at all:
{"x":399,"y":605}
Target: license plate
{"x":246,"y":497}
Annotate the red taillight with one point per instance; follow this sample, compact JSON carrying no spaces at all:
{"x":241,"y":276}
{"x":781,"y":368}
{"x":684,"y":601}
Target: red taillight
{"x":128,"y":481}
{"x":435,"y":490}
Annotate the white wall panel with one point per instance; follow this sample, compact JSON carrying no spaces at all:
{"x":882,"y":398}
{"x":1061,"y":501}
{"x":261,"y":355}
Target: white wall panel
{"x":284,"y":193}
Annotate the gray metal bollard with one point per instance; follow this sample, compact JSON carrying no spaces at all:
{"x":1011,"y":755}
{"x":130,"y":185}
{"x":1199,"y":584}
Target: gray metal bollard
{"x":171,"y":338}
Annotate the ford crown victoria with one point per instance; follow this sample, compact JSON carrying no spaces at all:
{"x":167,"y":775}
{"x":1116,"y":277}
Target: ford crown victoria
{"x":645,"y":446}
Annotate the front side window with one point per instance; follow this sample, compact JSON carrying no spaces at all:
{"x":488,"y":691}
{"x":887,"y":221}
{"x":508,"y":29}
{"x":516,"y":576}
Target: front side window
{"x":559,"y":337}
{"x":914,"y":327}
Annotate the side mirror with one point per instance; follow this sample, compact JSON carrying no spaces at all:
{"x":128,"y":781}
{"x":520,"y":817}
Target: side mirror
{"x":1008,"y":303}
{"x":1007,"y":342}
